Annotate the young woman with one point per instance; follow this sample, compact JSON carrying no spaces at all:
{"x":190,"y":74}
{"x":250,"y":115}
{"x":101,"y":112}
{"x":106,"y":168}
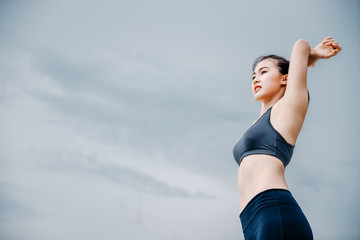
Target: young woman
{"x":267,"y":209}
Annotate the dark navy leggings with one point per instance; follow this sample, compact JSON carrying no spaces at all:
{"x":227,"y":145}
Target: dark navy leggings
{"x":274,"y":215}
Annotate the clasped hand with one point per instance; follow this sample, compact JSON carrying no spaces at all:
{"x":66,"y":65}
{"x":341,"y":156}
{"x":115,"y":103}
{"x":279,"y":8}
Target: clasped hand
{"x":326,"y":49}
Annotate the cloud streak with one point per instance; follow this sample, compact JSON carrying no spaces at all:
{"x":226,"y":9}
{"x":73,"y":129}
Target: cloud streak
{"x":160,"y":90}
{"x":124,"y":175}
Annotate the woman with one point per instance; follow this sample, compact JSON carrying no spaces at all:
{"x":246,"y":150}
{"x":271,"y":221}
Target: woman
{"x":267,"y":209}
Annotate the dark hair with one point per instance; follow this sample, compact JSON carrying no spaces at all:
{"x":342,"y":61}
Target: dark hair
{"x":282,"y":63}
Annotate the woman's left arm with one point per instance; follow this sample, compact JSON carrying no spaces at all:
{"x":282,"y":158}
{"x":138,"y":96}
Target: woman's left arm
{"x":302,"y":57}
{"x":294,"y":104}
{"x":296,"y":94}
{"x":326,"y":49}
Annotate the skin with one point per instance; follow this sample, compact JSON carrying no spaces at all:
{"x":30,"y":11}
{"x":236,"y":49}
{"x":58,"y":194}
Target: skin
{"x":288,"y":96}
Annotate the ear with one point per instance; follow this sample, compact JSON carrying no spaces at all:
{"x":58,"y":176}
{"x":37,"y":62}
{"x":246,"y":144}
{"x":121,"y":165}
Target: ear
{"x":284,"y":80}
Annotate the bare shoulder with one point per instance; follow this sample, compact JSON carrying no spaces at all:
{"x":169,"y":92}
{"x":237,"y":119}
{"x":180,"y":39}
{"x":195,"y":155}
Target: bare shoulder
{"x":288,"y":119}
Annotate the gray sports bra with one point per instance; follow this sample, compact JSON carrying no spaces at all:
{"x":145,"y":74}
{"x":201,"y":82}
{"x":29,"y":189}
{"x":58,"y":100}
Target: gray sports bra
{"x":263,"y":138}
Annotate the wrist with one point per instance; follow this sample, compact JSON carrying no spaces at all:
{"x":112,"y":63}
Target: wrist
{"x":313,"y":58}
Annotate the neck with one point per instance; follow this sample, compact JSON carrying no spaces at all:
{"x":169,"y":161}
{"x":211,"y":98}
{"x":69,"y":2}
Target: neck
{"x":268,"y":104}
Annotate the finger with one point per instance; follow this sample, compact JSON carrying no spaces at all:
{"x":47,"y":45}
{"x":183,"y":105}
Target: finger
{"x":327,"y":38}
{"x":329,"y":41}
{"x":337,"y":46}
{"x":332,"y":41}
{"x":332,"y":53}
{"x":335,"y":52}
{"x":337,"y":49}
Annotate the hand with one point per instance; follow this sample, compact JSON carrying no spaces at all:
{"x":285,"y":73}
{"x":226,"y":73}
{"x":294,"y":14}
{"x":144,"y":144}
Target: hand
{"x":326,"y":49}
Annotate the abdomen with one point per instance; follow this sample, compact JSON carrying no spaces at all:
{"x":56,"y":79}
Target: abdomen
{"x":258,"y":173}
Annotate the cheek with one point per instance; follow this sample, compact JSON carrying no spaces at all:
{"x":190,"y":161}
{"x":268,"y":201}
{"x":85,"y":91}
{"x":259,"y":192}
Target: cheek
{"x":273,"y":82}
{"x":270,"y":87}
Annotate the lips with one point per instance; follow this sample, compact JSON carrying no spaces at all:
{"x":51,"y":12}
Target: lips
{"x":257,"y":88}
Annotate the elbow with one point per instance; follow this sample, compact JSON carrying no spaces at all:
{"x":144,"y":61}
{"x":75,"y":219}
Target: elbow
{"x":302,"y":45}
{"x":302,"y":42}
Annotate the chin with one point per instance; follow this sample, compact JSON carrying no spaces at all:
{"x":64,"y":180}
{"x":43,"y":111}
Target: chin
{"x":257,"y":97}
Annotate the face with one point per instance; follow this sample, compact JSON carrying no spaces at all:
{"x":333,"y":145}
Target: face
{"x":267,"y":81}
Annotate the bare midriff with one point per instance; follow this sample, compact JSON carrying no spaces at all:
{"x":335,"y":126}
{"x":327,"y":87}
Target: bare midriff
{"x":258,"y":173}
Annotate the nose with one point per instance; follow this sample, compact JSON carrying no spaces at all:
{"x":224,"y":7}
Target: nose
{"x":256,"y":80}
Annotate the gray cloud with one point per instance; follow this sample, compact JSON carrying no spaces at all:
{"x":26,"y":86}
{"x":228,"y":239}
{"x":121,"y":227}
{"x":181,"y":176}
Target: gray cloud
{"x":11,"y":208}
{"x":168,"y":79}
{"x":72,"y":164}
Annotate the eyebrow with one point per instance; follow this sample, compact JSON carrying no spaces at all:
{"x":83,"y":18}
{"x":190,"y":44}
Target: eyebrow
{"x":259,"y":70}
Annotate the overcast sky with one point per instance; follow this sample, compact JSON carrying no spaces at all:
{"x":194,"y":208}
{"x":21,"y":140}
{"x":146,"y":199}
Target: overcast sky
{"x":118,"y":118}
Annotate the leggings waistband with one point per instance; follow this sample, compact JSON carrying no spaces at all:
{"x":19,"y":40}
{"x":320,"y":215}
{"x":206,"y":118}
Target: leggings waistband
{"x":264,"y":199}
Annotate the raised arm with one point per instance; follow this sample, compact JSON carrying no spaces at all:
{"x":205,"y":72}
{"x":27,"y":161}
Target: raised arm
{"x":293,"y":106}
{"x":296,"y":94}
{"x":302,"y":57}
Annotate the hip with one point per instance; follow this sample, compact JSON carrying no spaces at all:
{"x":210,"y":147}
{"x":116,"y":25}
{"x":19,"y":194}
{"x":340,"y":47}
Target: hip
{"x":274,"y":214}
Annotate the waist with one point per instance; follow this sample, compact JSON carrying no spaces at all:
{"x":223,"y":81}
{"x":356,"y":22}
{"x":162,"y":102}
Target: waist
{"x":258,"y":173}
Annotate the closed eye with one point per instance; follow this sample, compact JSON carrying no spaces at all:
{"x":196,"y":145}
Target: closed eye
{"x":253,"y":77}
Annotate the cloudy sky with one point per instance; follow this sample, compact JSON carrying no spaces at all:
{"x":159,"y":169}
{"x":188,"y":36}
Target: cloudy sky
{"x":118,"y":118}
